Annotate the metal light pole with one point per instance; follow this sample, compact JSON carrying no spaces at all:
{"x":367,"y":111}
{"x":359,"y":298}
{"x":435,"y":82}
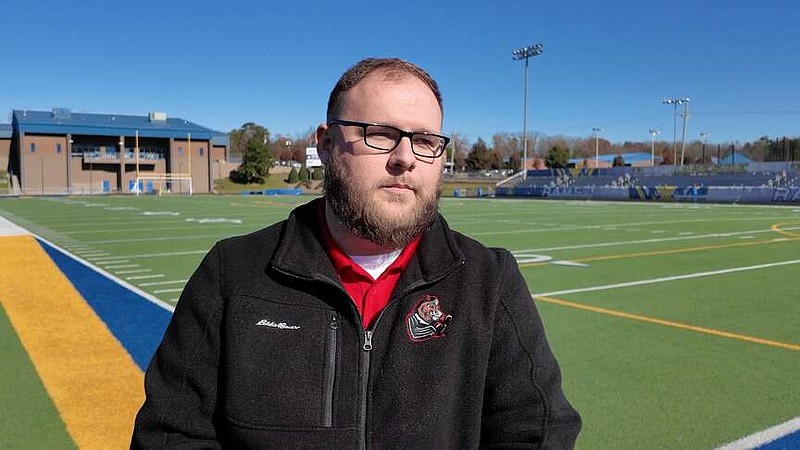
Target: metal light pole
{"x":525,"y":53}
{"x":453,"y":154}
{"x":675,"y":102}
{"x":703,"y":137}
{"x":655,"y":133}
{"x":685,"y":121}
{"x":597,"y":147}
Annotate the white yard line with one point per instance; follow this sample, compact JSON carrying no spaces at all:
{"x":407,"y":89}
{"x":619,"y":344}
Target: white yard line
{"x":123,"y":266}
{"x":757,"y":440}
{"x":149,"y":230}
{"x":90,"y":254}
{"x":157,"y":283}
{"x":666,"y":279}
{"x":144,"y":277}
{"x":147,"y":296}
{"x":163,"y":291}
{"x":622,"y":225}
{"x":125,"y":272}
{"x":112,"y":260}
{"x":161,"y":238}
{"x":160,"y":255}
{"x":651,"y":241}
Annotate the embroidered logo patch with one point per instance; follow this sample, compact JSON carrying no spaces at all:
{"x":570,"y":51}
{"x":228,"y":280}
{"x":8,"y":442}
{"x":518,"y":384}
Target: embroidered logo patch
{"x":427,"y":320}
{"x":278,"y":325}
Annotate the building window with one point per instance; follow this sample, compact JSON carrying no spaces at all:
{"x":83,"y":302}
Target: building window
{"x":58,"y":148}
{"x":33,"y":147}
{"x":202,"y":150}
{"x":180,"y":151}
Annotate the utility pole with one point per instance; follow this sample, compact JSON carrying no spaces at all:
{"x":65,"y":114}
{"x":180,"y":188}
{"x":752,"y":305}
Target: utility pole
{"x":675,"y":102}
{"x":703,"y":137}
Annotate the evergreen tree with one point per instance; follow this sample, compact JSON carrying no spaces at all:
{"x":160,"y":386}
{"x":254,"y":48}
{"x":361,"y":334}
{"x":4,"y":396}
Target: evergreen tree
{"x":252,"y":141}
{"x":557,"y":157}
{"x":479,"y":158}
{"x":293,"y":176}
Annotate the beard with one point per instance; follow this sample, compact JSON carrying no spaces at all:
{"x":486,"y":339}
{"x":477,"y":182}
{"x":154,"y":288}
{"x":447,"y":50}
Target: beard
{"x":365,"y":216}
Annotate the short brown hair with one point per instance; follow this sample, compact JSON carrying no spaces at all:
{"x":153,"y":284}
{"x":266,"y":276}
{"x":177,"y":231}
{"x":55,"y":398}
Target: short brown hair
{"x":393,"y":68}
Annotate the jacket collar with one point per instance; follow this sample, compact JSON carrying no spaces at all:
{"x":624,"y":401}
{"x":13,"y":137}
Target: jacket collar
{"x":301,"y":251}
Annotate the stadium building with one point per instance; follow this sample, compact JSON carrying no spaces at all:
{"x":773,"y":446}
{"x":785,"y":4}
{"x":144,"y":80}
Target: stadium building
{"x":62,"y":152}
{"x":5,"y":144}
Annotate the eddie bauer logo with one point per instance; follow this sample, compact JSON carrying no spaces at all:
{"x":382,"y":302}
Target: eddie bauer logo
{"x":280,"y":326}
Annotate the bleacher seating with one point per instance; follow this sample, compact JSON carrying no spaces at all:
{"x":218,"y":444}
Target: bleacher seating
{"x":624,"y":177}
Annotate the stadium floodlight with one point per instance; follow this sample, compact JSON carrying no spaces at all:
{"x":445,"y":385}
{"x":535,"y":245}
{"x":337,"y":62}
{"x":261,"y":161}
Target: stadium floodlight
{"x":526,"y":53}
{"x":597,"y":132}
{"x":675,"y":101}
{"x":655,"y":132}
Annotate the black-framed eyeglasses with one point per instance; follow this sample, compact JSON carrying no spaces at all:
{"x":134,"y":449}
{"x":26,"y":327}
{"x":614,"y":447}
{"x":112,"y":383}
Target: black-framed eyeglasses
{"x":387,"y":138}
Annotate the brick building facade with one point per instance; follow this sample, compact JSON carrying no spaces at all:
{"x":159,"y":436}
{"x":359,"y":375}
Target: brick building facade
{"x":61,"y":152}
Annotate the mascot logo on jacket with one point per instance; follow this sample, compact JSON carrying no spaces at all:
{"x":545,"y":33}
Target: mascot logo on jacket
{"x":427,"y":320}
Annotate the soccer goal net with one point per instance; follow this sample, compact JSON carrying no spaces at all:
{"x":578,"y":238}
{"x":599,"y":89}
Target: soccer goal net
{"x":162,"y":184}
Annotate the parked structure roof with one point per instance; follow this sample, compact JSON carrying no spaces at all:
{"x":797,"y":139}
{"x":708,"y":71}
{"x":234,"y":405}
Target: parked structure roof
{"x":64,"y":121}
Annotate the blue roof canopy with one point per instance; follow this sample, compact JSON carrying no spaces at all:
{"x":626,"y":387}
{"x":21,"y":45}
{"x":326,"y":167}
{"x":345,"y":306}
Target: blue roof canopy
{"x":735,"y":158}
{"x":63,"y":121}
{"x":629,"y":158}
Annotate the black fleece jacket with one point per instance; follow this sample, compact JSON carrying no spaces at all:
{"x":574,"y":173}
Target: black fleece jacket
{"x":266,"y":350}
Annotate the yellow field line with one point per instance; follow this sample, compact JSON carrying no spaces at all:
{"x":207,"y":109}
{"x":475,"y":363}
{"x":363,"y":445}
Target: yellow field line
{"x":94,"y":383}
{"x":668,"y":323}
{"x":777,"y":227}
{"x":670,"y":251}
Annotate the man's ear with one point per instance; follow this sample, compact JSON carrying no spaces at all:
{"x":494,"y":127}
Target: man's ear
{"x":324,"y":143}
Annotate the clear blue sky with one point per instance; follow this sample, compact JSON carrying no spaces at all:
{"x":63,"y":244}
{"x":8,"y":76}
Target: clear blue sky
{"x":605,"y":64}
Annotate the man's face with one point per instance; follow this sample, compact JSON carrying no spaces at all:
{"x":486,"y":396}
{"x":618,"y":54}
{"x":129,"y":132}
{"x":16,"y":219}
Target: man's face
{"x":386,"y":197}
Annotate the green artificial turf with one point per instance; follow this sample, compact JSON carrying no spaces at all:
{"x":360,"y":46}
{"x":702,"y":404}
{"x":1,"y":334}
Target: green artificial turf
{"x":637,"y":384}
{"x":28,"y":419}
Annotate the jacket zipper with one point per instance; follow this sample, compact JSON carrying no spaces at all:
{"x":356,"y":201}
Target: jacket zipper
{"x":331,"y":349}
{"x":367,"y":347}
{"x":364,"y":386}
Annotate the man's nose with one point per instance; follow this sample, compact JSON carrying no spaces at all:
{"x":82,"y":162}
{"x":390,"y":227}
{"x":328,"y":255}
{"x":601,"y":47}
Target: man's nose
{"x":403,"y":156}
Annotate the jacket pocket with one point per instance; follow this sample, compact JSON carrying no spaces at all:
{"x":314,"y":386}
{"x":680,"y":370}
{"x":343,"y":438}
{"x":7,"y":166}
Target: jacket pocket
{"x":278,"y":364}
{"x":245,"y":437}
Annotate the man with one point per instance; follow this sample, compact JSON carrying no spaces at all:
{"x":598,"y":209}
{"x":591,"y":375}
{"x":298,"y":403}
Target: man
{"x":361,"y":321}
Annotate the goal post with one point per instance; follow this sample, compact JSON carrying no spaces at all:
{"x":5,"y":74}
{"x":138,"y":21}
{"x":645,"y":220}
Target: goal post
{"x":165,"y":183}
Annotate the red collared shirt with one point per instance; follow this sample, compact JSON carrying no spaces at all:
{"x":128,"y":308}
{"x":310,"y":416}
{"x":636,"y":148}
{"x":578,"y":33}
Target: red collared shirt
{"x":369,"y":295}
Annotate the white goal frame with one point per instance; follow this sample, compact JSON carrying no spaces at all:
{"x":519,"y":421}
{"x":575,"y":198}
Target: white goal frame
{"x":163,"y":179}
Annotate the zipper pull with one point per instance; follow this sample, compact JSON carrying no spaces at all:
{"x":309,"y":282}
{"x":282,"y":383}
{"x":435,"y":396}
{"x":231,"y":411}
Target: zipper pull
{"x":368,"y":340}
{"x":334,"y":324}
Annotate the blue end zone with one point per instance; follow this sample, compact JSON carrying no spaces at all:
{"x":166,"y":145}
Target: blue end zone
{"x":789,"y":442}
{"x":136,"y":322}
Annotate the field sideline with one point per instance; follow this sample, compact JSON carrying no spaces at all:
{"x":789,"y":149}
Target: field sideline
{"x":676,"y":324}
